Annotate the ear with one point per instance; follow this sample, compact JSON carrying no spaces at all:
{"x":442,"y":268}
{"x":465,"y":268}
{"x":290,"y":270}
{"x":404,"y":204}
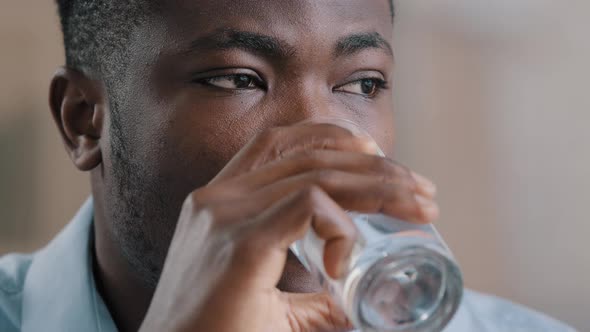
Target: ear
{"x":78,"y":107}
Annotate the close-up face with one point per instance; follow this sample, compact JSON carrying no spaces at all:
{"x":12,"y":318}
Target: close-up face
{"x":206,"y":76}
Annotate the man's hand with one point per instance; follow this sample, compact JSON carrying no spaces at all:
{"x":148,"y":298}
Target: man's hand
{"x":233,"y":235}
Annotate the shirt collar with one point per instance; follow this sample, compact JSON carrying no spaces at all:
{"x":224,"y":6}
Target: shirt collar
{"x":59,"y":291}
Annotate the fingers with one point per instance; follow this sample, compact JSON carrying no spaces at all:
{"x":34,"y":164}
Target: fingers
{"x":324,"y":168}
{"x":290,"y":218}
{"x":385,"y":169}
{"x":287,"y":208}
{"x":279,"y":154}
{"x":280,"y":142}
{"x":315,"y":312}
{"x":261,"y":240}
{"x":353,"y":192}
{"x":424,"y":186}
{"x":357,"y":192}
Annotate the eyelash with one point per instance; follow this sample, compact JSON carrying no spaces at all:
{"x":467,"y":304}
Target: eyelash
{"x":380,"y":84}
{"x":258,"y":83}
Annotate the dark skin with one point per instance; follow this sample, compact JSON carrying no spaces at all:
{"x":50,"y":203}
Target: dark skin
{"x":227,"y":175}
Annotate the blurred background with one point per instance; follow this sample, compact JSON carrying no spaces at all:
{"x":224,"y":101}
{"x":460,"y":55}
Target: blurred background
{"x":492,"y":102}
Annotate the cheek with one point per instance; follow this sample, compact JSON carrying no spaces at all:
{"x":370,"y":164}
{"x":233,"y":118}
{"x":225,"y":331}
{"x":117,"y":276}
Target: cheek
{"x":386,"y":134}
{"x":381,"y":128}
{"x":386,"y":127}
{"x":194,"y":143}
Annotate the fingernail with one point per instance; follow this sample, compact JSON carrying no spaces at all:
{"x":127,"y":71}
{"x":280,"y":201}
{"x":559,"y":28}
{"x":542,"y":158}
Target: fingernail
{"x":427,"y":187}
{"x":428,"y":207}
{"x":379,"y":151}
{"x":371,"y":147}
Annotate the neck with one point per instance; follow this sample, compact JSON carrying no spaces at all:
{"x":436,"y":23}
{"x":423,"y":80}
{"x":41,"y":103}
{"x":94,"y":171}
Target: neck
{"x":128,"y":297}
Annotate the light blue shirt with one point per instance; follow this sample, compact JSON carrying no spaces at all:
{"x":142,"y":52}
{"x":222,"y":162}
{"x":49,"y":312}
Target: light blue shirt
{"x":54,"y":290}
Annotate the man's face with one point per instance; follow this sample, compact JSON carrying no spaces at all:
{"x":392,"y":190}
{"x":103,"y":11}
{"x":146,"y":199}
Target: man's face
{"x":206,"y":76}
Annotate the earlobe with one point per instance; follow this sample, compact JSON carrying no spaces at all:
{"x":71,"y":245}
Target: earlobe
{"x":77,"y":105}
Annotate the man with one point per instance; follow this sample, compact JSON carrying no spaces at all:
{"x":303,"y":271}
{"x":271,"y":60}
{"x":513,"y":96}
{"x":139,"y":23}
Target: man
{"x":200,"y":124}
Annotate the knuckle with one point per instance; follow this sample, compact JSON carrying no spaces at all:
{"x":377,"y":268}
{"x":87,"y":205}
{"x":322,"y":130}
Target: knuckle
{"x":311,"y":157}
{"x":249,"y":242}
{"x":408,"y":205}
{"x":192,"y":203}
{"x":269,"y":136}
{"x":417,"y":214}
{"x":350,"y":231}
{"x":324,"y":176}
{"x":382,"y":166}
{"x":383,"y":190}
{"x":197,"y":198}
{"x":307,"y":159}
{"x":214,"y":195}
{"x":414,"y":207}
{"x":193,"y":217}
{"x":404,"y":176}
{"x":384,"y":197}
{"x":404,"y":171}
{"x":304,"y":160}
{"x":220,"y":216}
{"x":410,"y":183}
{"x":402,"y":194}
{"x":309,"y":195}
{"x":207,"y":212}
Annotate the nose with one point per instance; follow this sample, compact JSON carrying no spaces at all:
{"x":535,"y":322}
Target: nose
{"x":309,"y":101}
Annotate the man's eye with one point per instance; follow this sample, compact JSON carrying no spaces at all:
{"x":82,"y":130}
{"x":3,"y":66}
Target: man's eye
{"x":367,"y":87}
{"x":232,"y":82}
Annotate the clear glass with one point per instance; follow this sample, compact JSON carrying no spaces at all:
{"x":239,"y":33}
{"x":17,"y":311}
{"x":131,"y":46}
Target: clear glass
{"x":401,"y":277}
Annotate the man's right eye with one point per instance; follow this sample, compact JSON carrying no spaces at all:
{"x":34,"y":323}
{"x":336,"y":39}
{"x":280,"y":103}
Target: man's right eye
{"x":232,"y":82}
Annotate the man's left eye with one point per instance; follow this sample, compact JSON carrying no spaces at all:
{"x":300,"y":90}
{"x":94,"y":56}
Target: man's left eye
{"x":232,"y":82}
{"x":367,"y":87}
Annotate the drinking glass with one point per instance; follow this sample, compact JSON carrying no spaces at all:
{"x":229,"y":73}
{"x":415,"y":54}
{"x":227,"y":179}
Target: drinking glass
{"x":401,"y":277}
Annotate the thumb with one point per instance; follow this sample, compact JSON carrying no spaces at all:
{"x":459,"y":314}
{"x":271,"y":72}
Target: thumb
{"x":315,"y":313}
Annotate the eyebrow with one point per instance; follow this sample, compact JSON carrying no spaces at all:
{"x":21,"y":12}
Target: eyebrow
{"x":271,"y":47}
{"x":358,"y":42}
{"x":225,"y":39}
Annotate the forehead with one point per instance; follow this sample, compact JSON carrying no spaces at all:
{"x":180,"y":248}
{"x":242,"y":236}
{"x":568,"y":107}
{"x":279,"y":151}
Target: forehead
{"x":292,"y":20}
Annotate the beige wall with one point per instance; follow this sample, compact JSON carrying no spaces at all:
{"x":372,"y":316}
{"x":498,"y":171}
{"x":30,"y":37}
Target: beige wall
{"x":39,"y":189}
{"x":491,"y":103}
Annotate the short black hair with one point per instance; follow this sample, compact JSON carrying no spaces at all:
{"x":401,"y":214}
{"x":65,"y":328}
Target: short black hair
{"x":96,"y":32}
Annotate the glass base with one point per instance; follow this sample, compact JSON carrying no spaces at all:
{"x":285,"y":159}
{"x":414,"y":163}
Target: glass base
{"x":412,"y":289}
